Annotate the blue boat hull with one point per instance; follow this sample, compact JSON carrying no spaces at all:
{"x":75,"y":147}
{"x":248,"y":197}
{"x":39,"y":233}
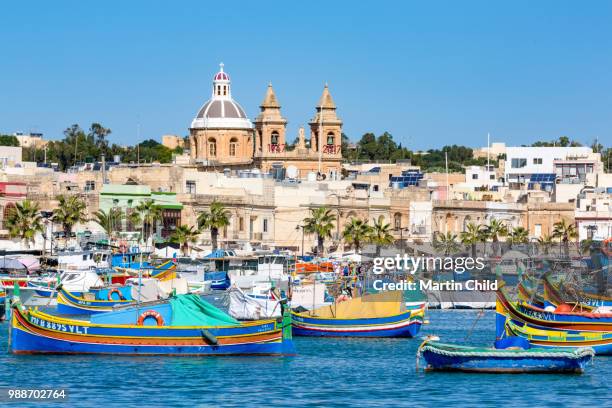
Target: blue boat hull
{"x":405,"y":324}
{"x":407,"y":331}
{"x":439,"y":362}
{"x":26,"y":343}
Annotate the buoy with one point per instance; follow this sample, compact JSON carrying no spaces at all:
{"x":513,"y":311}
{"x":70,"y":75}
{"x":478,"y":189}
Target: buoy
{"x":210,"y":337}
{"x":563,"y":308}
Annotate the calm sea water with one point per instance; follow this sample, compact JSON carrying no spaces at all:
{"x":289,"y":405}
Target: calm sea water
{"x":326,"y":372}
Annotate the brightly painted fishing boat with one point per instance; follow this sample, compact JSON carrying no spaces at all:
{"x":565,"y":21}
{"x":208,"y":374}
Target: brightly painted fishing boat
{"x":559,"y":320}
{"x":2,"y":303}
{"x":452,"y":357}
{"x":183,"y":325}
{"x":601,"y":342}
{"x":557,"y":293}
{"x":69,"y":303}
{"x":376,"y":315}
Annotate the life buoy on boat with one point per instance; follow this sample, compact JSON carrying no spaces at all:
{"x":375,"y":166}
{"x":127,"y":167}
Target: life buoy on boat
{"x":117,"y":291}
{"x":150,"y":313}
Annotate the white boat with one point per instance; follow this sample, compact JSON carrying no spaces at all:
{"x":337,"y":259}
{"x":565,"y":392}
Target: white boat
{"x":262,"y":302}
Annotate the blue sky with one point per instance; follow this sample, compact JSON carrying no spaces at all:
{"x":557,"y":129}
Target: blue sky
{"x":431,"y":73}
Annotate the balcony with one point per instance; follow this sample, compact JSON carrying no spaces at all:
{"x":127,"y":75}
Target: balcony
{"x":332,"y":149}
{"x":276,"y":148}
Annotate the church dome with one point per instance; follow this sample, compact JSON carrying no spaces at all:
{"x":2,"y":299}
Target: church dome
{"x":221,"y":111}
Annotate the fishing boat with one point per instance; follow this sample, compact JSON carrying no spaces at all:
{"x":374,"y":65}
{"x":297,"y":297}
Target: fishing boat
{"x":382,"y":314}
{"x":2,"y":303}
{"x":69,"y":303}
{"x":601,"y":342}
{"x":560,"y":319}
{"x":516,"y":359}
{"x":558,"y":293}
{"x":182,"y":325}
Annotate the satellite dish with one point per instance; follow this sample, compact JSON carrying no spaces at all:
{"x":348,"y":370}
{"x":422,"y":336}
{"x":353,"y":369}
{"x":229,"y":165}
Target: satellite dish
{"x":292,"y":172}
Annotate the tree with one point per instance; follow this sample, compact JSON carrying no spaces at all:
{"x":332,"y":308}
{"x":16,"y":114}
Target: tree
{"x":184,"y":235}
{"x":356,"y":232}
{"x":70,"y":211}
{"x":564,"y":232}
{"x":98,"y":135}
{"x":494,"y":231}
{"x":381,"y":233}
{"x":472,"y":235}
{"x":23,"y":221}
{"x":545,"y":242}
{"x":321,"y":223}
{"x":149,"y":213}
{"x":217,"y":217}
{"x":446,"y":243}
{"x":518,"y":235}
{"x":109,"y":220}
{"x":9,"y":140}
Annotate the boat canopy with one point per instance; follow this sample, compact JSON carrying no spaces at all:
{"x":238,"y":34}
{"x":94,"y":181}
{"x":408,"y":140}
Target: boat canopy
{"x":190,"y":310}
{"x":382,"y":304}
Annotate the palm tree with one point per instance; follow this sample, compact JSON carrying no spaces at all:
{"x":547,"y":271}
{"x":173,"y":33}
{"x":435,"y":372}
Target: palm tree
{"x":356,"y":232}
{"x":472,"y":235}
{"x":71,"y":210}
{"x":184,"y":235}
{"x":23,"y":221}
{"x":109,"y":220}
{"x":564,"y":232}
{"x":381,"y":234}
{"x":321,"y":223}
{"x":150,"y":213}
{"x":518,"y":235}
{"x":446,"y":243}
{"x":217,"y":217}
{"x":494,"y":231}
{"x":545,"y":242}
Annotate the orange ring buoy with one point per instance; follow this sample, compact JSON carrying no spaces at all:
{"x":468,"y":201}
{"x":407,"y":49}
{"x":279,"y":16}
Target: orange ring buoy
{"x":150,"y":313}
{"x":117,"y":291}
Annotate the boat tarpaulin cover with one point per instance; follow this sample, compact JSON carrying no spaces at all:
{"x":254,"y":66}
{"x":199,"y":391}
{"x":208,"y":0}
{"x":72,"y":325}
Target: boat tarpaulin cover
{"x":380,"y":304}
{"x":248,"y":308}
{"x":190,"y":310}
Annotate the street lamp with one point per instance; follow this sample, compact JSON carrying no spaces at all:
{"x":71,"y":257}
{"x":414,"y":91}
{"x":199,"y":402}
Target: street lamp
{"x":338,"y":197}
{"x":401,"y":231}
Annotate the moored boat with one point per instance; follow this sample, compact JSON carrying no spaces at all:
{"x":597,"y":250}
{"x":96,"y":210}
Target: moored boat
{"x":376,"y":315}
{"x":183,"y":325}
{"x":451,"y":357}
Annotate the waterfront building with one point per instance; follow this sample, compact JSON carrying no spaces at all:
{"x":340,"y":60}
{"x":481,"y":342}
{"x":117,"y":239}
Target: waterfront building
{"x":594,"y":213}
{"x":172,"y":141}
{"x":222,"y":136}
{"x":127,"y":197}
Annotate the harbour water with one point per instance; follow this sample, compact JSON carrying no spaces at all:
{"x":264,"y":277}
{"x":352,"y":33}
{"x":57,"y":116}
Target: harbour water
{"x":326,"y":372}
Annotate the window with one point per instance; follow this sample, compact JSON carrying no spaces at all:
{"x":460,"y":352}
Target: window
{"x":330,"y":138}
{"x":190,"y":186}
{"x":265,"y":225}
{"x":537,"y":160}
{"x":240,"y":224}
{"x":90,"y":185}
{"x":492,"y":177}
{"x":375,"y":187}
{"x":474,"y":176}
{"x":518,"y":163}
{"x":397,"y":221}
{"x":233,"y":146}
{"x":224,"y":90}
{"x":274,"y":138}
{"x":538,"y":230}
{"x":212,"y":147}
